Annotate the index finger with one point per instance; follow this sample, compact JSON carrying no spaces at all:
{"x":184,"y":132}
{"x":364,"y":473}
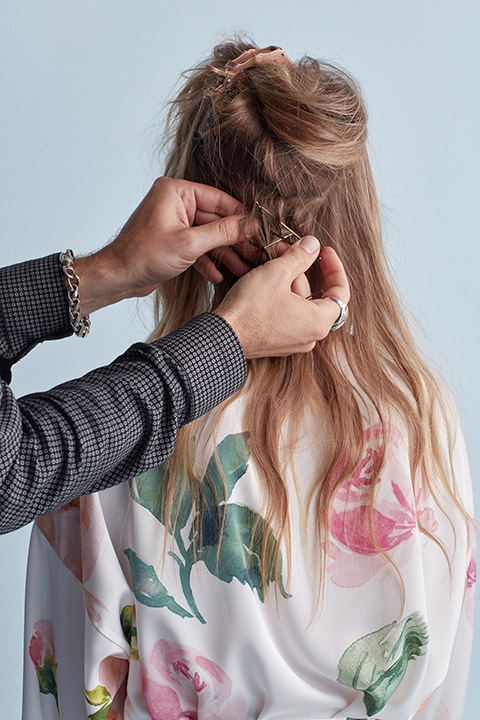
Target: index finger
{"x":214,"y":201}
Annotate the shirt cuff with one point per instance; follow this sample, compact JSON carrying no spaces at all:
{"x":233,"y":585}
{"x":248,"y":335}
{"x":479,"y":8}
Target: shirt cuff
{"x":211,"y":359}
{"x":33,"y":306}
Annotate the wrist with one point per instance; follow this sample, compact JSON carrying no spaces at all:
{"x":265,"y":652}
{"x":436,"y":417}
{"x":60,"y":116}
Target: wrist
{"x":100,"y":285}
{"x":246,"y":336}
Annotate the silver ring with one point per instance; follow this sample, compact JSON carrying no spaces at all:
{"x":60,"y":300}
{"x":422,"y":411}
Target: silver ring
{"x":343,"y":313}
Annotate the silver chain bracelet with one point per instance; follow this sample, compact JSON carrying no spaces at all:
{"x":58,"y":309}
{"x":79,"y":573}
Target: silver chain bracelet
{"x":80,"y":325}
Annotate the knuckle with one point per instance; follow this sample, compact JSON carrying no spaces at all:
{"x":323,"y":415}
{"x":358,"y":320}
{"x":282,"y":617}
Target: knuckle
{"x":302,"y":258}
{"x":164,"y":184}
{"x":161,"y":188}
{"x":160,"y":182}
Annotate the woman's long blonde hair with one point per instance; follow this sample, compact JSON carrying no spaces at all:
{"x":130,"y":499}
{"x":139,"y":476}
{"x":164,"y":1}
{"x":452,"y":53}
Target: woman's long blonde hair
{"x":293,"y":139}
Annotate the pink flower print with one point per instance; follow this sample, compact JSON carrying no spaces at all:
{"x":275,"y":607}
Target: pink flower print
{"x":62,"y":530}
{"x":360,"y":537}
{"x":42,"y":654}
{"x":93,"y":530}
{"x":351,"y":570}
{"x":113,"y":677}
{"x":36,"y":650}
{"x":90,"y":602}
{"x":112,"y":673}
{"x":75,"y":533}
{"x":355,"y":556}
{"x":41,"y":643}
{"x":179,"y":683}
{"x":354,"y":526}
{"x":427,"y":518}
{"x":353,"y":488}
{"x":352,"y":529}
{"x":472,"y":571}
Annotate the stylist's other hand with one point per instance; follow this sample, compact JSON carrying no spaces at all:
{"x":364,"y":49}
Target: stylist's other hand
{"x":174,"y":226}
{"x":269,"y":318}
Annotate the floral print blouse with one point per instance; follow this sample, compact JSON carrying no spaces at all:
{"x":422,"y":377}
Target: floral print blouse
{"x":117,"y":630}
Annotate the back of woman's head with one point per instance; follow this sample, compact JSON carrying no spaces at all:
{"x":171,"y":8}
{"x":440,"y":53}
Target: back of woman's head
{"x":289,"y":141}
{"x":271,"y":119}
{"x":289,"y":137}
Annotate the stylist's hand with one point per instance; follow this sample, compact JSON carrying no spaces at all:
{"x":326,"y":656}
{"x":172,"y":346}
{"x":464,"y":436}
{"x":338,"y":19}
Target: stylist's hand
{"x":269,"y":318}
{"x":174,"y":226}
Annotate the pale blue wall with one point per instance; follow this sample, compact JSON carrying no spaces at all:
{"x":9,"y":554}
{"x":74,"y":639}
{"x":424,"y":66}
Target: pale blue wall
{"x":82,"y":82}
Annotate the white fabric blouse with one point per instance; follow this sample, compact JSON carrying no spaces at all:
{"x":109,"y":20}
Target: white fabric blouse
{"x":115,"y":631}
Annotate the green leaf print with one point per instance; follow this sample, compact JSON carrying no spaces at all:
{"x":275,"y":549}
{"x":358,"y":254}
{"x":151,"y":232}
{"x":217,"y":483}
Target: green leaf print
{"x":99,"y":696}
{"x":127,"y":620}
{"x":238,"y":554}
{"x":101,"y":714}
{"x":148,"y":589}
{"x":47,"y":678}
{"x":47,"y":681}
{"x":150,"y":491}
{"x":227,"y":537}
{"x":376,"y":663}
{"x":225,"y":467}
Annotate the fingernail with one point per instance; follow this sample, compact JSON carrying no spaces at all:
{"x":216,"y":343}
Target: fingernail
{"x":310,"y":244}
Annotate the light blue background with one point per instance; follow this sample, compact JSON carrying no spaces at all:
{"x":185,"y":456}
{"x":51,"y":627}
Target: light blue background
{"x":81,"y":88}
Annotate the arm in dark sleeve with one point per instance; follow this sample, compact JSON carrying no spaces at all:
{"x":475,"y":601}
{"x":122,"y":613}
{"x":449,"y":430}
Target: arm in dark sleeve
{"x":115,"y":422}
{"x":33,"y":308}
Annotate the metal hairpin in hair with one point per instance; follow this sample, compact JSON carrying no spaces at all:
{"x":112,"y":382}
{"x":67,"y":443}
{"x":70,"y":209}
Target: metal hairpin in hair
{"x":282,"y":224}
{"x":284,"y":237}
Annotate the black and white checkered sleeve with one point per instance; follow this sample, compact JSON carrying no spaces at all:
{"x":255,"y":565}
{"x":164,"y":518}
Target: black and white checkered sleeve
{"x":115,"y":422}
{"x":33,"y":308}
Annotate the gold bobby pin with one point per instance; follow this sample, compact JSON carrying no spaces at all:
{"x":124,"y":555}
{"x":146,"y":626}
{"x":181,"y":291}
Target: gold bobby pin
{"x":284,"y":237}
{"x":290,"y":232}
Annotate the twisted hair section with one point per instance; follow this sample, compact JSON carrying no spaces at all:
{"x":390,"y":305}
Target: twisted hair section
{"x":290,"y":142}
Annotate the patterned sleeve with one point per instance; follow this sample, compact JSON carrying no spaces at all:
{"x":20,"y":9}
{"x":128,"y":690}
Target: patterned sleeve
{"x":33,"y":308}
{"x":110,"y":425}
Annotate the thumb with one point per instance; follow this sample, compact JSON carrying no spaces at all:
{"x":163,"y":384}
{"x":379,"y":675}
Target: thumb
{"x":299,"y":256}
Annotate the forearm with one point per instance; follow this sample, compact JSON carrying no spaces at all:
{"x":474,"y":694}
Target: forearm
{"x":115,"y":422}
